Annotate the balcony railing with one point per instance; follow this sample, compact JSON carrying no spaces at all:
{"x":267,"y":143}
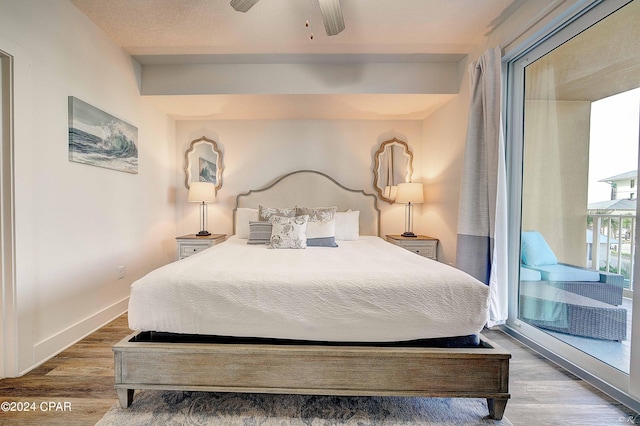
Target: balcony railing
{"x":613,"y":245}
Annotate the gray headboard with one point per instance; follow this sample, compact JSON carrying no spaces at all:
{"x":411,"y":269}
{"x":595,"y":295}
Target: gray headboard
{"x":310,"y":188}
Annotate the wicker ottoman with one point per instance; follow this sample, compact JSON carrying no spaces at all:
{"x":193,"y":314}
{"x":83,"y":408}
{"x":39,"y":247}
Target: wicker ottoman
{"x":553,"y":308}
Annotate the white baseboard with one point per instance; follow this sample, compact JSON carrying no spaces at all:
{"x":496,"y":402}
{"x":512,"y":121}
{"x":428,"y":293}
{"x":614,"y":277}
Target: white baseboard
{"x":50,"y":347}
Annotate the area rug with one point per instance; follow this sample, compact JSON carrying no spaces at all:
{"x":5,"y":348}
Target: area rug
{"x":209,"y":408}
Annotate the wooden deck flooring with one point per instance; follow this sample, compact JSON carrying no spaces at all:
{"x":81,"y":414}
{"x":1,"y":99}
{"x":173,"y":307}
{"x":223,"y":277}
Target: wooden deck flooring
{"x":82,"y":376}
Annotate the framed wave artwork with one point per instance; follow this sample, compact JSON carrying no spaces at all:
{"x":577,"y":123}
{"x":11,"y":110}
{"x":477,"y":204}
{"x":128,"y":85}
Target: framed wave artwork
{"x":100,"y":139}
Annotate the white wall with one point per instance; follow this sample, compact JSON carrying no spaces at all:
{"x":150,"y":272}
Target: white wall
{"x":255,"y":152}
{"x":443,"y":154}
{"x":75,"y":224}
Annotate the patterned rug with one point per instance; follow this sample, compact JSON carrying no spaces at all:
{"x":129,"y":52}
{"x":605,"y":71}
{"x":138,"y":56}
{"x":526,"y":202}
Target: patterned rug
{"x":208,"y":408}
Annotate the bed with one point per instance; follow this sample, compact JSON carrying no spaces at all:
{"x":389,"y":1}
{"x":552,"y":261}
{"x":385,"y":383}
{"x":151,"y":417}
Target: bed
{"x":264,"y":325}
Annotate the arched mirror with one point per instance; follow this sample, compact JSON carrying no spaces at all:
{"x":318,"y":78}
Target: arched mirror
{"x":203,"y":163}
{"x":393,"y":165}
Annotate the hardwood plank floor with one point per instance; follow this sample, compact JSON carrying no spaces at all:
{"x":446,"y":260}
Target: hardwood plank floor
{"x":542,"y":393}
{"x":82,"y":376}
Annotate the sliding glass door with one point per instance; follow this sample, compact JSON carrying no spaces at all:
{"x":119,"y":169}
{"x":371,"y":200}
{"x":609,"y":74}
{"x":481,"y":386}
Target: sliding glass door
{"x":574,"y":121}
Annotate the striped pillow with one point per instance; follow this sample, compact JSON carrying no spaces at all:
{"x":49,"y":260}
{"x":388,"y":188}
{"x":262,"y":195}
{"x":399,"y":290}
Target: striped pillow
{"x":259,"y":232}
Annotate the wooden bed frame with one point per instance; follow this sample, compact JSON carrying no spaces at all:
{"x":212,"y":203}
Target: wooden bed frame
{"x":479,"y":372}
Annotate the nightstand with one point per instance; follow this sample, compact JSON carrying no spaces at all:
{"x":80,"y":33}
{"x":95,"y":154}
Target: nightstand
{"x":422,"y":245}
{"x":192,"y":244}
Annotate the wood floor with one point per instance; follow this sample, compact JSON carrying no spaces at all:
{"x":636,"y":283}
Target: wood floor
{"x":82,"y":377}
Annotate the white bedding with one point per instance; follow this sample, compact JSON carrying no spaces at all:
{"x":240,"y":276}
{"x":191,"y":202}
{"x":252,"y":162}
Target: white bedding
{"x":364,"y":290}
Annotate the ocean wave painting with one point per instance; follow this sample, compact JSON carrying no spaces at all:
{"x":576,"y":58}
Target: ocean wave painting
{"x":207,"y":171}
{"x":100,"y":139}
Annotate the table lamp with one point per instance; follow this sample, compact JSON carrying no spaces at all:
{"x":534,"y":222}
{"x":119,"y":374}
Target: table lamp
{"x":409,"y":193}
{"x":203,"y":193}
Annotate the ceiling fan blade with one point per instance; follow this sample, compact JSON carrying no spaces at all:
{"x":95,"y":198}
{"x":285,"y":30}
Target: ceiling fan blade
{"x":243,"y":5}
{"x":332,"y":16}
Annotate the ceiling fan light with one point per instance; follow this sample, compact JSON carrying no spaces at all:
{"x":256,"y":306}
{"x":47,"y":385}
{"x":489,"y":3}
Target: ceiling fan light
{"x":243,"y":5}
{"x":332,"y":16}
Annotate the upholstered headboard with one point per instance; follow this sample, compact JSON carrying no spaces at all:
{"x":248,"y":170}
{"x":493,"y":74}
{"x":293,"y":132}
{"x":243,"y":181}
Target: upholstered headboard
{"x":310,"y":188}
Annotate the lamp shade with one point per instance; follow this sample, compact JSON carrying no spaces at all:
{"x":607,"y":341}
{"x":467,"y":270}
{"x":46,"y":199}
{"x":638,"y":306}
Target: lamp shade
{"x":202,"y":192}
{"x":410,"y":192}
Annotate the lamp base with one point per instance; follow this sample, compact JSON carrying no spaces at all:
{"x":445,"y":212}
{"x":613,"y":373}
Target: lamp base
{"x":409,"y":234}
{"x":203,"y":233}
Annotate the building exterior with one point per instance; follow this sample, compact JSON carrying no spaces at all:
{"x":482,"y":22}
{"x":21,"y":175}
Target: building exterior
{"x":623,"y":186}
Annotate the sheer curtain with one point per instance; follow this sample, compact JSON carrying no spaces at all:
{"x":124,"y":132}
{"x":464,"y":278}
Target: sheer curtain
{"x":482,"y":217}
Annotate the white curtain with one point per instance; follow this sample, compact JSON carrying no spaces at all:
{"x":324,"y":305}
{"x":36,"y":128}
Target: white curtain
{"x":482,"y":217}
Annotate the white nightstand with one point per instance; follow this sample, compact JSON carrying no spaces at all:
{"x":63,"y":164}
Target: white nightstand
{"x":422,"y":245}
{"x":192,"y":244}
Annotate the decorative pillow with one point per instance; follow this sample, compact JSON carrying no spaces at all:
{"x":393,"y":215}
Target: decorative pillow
{"x":321,"y":230}
{"x":535,"y":250}
{"x":259,"y":232}
{"x":321,"y":233}
{"x":317,"y":214}
{"x":266,"y":213}
{"x":243,"y":217}
{"x":288,"y":232}
{"x":347,"y":225}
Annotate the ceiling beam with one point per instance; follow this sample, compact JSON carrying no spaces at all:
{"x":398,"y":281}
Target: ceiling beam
{"x":300,"y":78}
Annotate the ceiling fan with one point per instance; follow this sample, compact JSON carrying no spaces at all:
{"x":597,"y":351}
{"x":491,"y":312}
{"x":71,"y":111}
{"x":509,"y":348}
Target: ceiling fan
{"x":330,"y":10}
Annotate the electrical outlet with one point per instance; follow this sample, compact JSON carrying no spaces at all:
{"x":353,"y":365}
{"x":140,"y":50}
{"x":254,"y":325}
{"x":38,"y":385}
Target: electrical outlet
{"x":121,"y":272}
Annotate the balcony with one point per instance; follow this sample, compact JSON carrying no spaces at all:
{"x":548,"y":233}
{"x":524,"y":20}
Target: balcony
{"x":615,"y":250}
{"x":615,"y":253}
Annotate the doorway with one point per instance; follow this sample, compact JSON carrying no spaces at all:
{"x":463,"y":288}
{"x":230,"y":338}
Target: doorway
{"x":573,"y":255}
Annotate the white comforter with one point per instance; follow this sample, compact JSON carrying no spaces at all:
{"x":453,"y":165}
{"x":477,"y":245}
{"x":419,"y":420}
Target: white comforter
{"x":365,"y":290}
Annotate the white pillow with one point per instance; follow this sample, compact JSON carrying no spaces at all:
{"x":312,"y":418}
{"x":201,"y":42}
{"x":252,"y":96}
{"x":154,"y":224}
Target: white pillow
{"x":243,"y":217}
{"x":347,"y":225}
{"x":321,"y":233}
{"x":321,"y":230}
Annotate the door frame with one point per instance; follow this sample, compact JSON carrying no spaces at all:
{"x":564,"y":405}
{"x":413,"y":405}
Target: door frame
{"x":8,"y":293}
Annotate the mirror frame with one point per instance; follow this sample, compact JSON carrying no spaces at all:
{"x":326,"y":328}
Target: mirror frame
{"x":187,"y":164}
{"x":376,"y":166}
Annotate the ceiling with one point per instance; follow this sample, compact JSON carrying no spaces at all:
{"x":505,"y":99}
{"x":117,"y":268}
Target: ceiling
{"x":188,"y":31}
{"x":586,"y":68}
